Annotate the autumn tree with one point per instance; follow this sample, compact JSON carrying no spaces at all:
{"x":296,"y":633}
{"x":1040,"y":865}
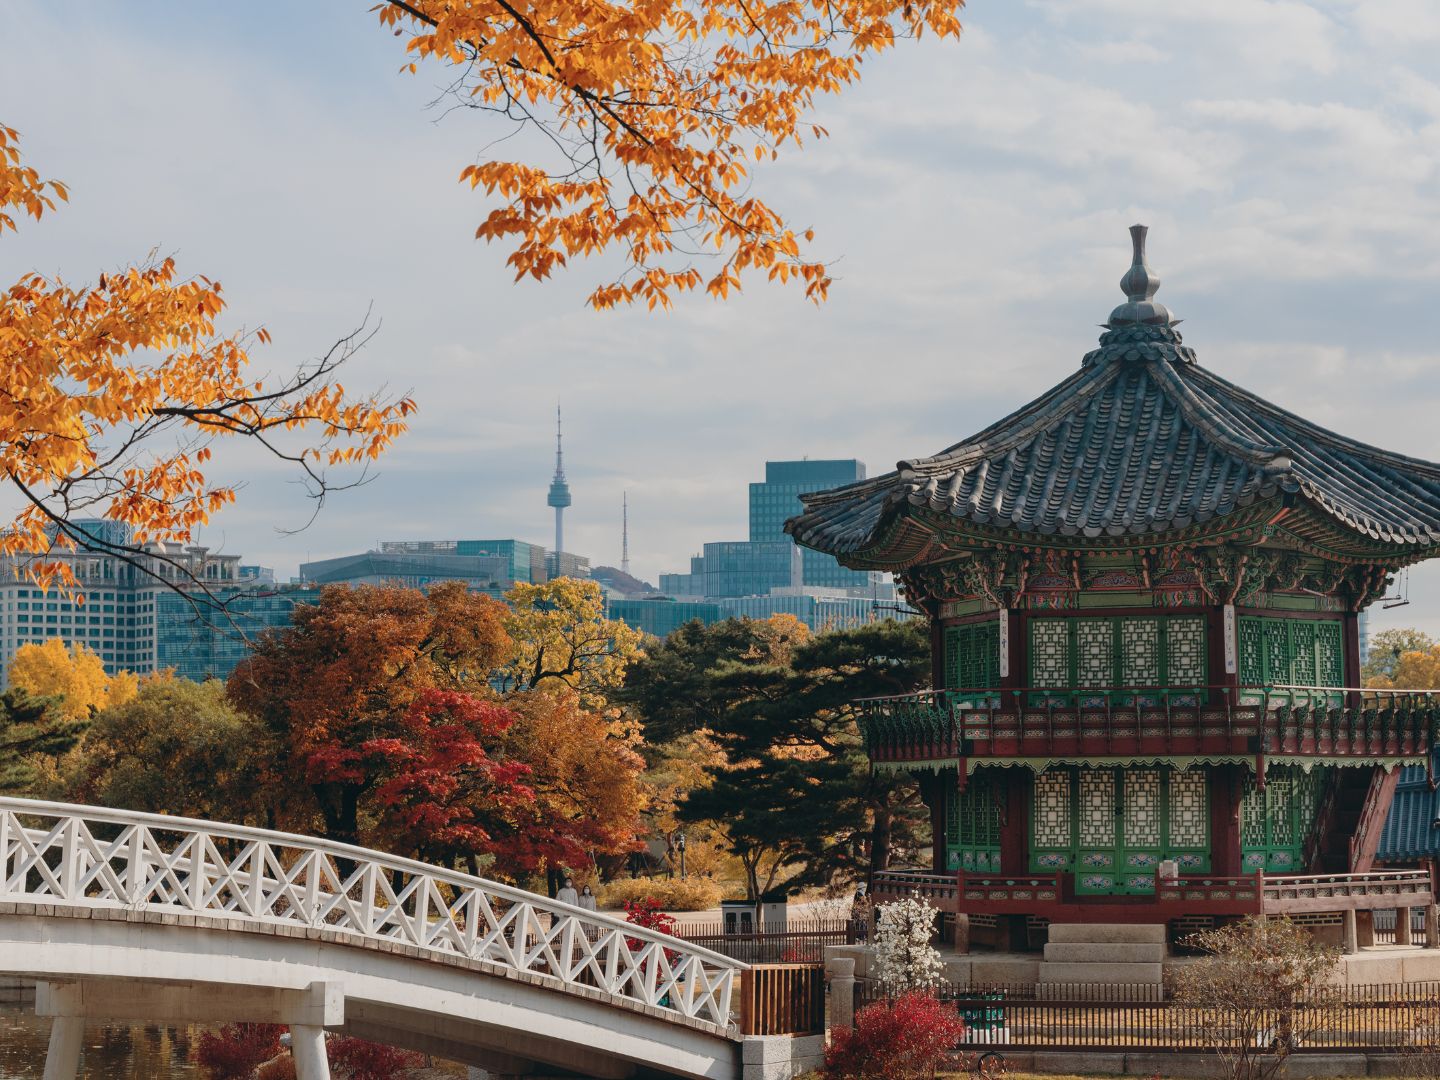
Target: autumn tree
{"x":673,"y":769}
{"x":1388,"y":654}
{"x":177,"y":747}
{"x":347,"y":671}
{"x":585,"y":772}
{"x":562,"y":638}
{"x":442,"y":795}
{"x":32,"y":730}
{"x":74,"y":675}
{"x":114,"y":395}
{"x":656,"y":113}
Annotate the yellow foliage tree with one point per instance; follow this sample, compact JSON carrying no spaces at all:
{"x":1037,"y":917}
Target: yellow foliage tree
{"x":561,"y":635}
{"x":657,"y":109}
{"x":75,"y":675}
{"x":112,"y":396}
{"x":1418,"y":669}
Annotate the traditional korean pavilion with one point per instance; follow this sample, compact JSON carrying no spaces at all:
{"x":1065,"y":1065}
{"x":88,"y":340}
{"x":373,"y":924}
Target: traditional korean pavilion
{"x":1143,"y":589}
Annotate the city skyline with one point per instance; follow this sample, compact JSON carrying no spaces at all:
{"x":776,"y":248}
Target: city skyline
{"x":1002,"y":191}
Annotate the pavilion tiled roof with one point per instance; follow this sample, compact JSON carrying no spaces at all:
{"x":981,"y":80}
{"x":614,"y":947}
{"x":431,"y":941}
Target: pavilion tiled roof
{"x":1410,"y":831}
{"x":1141,"y":441}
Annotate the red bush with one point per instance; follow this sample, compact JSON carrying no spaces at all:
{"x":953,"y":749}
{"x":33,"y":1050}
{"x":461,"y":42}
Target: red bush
{"x":904,"y":1040}
{"x":282,"y":1068}
{"x":235,"y":1050}
{"x":647,"y":913}
{"x":361,"y":1060}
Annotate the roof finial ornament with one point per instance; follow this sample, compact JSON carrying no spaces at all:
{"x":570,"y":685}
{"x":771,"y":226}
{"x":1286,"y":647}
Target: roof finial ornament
{"x":1139,"y":285}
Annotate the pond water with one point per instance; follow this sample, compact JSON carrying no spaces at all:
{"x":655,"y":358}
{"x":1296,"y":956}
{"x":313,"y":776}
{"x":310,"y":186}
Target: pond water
{"x":112,"y":1051}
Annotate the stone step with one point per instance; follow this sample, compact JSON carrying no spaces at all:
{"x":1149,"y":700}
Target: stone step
{"x":1052,"y":972}
{"x":1107,"y":933}
{"x":1099,"y":992}
{"x":1104,"y":952}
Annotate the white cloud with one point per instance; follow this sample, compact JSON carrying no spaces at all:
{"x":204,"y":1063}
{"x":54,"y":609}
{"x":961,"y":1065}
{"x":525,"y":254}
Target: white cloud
{"x":1412,"y":23}
{"x":1280,"y":34}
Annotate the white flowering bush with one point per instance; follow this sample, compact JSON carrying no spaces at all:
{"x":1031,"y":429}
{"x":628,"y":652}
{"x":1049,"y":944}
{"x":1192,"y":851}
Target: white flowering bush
{"x":905,"y":960}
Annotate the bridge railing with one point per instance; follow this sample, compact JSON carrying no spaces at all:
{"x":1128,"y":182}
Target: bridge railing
{"x":90,"y":857}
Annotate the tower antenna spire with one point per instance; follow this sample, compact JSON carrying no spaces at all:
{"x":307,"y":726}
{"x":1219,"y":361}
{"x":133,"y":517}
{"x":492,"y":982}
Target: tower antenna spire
{"x":559,"y":496}
{"x":625,"y":532}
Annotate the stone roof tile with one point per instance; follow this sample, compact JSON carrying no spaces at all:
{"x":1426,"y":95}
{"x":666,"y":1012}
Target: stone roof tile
{"x":1140,"y":441}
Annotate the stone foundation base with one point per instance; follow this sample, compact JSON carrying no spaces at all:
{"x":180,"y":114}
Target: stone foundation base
{"x":780,"y":1057}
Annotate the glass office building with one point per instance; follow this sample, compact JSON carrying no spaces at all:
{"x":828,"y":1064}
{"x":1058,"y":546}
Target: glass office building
{"x":777,"y":499}
{"x":661,"y":617}
{"x":819,"y":613}
{"x":205,"y":637}
{"x":743,"y":568}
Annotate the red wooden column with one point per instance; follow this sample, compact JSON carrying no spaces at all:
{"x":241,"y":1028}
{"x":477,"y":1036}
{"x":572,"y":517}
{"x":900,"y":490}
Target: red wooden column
{"x":936,"y":791}
{"x":1350,"y":635}
{"x":1016,"y":625}
{"x":1015,"y":830}
{"x":937,"y":651}
{"x":1225,"y":795}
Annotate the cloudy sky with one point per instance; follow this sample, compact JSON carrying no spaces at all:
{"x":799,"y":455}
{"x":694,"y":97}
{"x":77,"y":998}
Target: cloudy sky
{"x":974,"y":194}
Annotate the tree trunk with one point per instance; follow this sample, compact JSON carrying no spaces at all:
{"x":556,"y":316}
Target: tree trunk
{"x":880,"y":839}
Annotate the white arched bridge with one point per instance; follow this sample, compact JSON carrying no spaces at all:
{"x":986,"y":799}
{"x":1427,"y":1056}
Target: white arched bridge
{"x":121,"y":915}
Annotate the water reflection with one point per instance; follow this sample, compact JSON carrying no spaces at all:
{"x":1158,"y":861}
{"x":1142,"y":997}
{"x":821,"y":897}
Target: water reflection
{"x":112,"y":1051}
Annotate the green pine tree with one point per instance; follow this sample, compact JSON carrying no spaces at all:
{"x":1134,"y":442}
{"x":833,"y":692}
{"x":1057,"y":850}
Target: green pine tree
{"x":31,"y":728}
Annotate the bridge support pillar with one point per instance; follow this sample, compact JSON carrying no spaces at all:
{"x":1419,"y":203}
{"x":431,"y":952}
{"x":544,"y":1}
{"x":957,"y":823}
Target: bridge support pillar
{"x":307,"y":1047}
{"x":67,"y":1037}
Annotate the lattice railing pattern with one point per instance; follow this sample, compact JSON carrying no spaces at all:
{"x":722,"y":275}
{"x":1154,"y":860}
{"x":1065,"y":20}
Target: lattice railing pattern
{"x":88,"y":857}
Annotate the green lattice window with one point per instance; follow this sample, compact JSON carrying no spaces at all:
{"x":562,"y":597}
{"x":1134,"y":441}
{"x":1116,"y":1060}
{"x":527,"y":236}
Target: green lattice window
{"x":1111,"y":827}
{"x":972,"y":827}
{"x":1138,"y":651}
{"x":1276,"y":822}
{"x":972,"y":656}
{"x":1290,"y":652}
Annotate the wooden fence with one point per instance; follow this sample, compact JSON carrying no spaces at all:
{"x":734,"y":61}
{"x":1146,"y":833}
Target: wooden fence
{"x":793,"y":942}
{"x":782,"y":999}
{"x":1390,"y":1017}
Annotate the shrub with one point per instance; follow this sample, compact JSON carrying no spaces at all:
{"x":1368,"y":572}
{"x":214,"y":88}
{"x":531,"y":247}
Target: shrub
{"x":906,"y":1039}
{"x":650,"y":914}
{"x":1264,"y":989}
{"x":672,"y":894}
{"x":904,"y":958}
{"x":233,"y":1052}
{"x":282,"y":1068}
{"x":361,"y":1060}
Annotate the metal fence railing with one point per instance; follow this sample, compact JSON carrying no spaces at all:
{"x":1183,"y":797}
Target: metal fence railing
{"x":796,"y":941}
{"x":1381,"y":1018}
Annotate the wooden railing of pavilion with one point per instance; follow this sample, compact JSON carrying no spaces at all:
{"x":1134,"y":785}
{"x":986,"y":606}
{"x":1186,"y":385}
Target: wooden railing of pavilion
{"x":1201,"y":894}
{"x":1323,"y":721}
